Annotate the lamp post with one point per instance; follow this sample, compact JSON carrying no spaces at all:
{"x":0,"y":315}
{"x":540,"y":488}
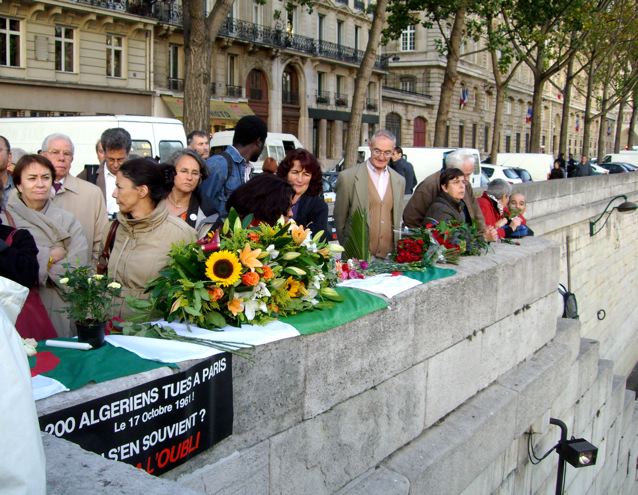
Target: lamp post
{"x":624,"y":207}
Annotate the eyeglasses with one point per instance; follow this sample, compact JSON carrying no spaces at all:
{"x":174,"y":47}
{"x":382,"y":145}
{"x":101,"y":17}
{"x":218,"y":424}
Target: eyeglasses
{"x":386,"y":154}
{"x":65,"y":154}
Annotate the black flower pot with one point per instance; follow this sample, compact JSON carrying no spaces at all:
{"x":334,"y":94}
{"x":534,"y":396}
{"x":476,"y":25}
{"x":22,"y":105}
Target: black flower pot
{"x":91,"y":334}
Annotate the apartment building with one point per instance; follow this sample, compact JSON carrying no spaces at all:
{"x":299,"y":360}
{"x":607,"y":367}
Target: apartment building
{"x":412,"y":87}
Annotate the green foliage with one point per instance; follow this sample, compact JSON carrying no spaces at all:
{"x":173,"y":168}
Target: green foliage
{"x":358,"y":242}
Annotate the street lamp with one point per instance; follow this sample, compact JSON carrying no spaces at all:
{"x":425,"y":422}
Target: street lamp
{"x":624,"y":207}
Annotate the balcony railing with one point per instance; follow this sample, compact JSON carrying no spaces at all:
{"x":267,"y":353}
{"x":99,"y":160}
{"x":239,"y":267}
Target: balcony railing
{"x":408,"y":86}
{"x":323,"y":98}
{"x":341,"y":100}
{"x":234,"y":91}
{"x":277,"y":38}
{"x":290,"y":97}
{"x":170,"y":12}
{"x":371,"y":105}
{"x":175,"y":84}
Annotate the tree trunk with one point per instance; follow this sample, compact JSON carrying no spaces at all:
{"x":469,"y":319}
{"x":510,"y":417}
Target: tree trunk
{"x":537,"y":103}
{"x":200,"y":32}
{"x":602,"y":127}
{"x":632,"y":121}
{"x":450,"y":77}
{"x":619,"y":120}
{"x":537,"y":116}
{"x":497,"y":123}
{"x":353,"y":139}
{"x":567,"y":99}
{"x":587,"y":119}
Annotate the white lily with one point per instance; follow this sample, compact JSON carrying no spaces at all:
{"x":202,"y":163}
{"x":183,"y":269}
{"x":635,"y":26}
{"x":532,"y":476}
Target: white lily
{"x":272,"y":252}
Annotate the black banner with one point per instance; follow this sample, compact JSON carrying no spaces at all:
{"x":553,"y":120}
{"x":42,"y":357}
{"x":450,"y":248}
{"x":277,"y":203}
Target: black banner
{"x":156,"y":426}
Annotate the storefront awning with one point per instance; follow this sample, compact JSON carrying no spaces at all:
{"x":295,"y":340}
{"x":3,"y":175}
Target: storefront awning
{"x":226,"y":111}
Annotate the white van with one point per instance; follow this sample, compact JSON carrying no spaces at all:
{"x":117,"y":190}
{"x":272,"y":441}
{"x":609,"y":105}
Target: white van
{"x":426,"y":161}
{"x":151,"y":136}
{"x":539,"y":165}
{"x":277,"y":145}
{"x":624,"y":156}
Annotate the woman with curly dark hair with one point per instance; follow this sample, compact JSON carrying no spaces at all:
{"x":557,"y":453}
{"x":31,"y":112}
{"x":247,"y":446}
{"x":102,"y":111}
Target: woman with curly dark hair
{"x":303,"y":172}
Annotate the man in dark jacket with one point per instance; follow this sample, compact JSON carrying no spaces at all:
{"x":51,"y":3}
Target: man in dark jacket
{"x":405,"y":168}
{"x":584,"y":168}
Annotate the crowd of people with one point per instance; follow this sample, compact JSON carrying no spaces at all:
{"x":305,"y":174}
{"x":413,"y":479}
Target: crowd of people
{"x":123,"y":215}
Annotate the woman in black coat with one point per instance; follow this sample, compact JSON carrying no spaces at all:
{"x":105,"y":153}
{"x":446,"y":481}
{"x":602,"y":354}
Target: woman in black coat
{"x":303,"y":172}
{"x":18,"y":256}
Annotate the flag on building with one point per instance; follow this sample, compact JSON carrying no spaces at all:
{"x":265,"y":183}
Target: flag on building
{"x":465,"y":97}
{"x":577,"y":124}
{"x":559,"y":95}
{"x":528,"y":117}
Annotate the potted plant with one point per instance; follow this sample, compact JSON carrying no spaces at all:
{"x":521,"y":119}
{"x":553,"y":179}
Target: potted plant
{"x":90,"y":299}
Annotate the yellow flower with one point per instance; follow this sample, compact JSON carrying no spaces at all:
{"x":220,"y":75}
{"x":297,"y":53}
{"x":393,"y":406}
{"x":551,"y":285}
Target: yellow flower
{"x":299,"y":234}
{"x":235,"y":306}
{"x":294,"y":287}
{"x":223,"y":267}
{"x":248,"y":257}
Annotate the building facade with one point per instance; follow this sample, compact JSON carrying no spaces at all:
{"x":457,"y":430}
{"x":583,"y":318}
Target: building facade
{"x":412,"y":88}
{"x":294,"y":68}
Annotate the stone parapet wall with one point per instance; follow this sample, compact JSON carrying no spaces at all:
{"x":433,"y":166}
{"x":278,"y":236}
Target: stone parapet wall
{"x":438,"y":393}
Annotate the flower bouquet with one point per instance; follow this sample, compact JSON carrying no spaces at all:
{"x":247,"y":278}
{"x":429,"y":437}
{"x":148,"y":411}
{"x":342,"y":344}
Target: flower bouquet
{"x":243,"y":274}
{"x":460,"y":237}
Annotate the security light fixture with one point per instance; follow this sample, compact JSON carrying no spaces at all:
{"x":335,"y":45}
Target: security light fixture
{"x":624,"y":207}
{"x":577,"y":451}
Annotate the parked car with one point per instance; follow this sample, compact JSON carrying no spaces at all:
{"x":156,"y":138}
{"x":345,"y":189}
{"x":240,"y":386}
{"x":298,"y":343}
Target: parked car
{"x":505,"y":173}
{"x":630,"y":166}
{"x":616,"y":167}
{"x":523,"y":174}
{"x":329,"y":186}
{"x":598,"y":170}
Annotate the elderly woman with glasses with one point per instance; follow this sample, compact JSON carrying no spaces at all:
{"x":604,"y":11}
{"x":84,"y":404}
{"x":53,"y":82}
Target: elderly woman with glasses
{"x":449,"y":204}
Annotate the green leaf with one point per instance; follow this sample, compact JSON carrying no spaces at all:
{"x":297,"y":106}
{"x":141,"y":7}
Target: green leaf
{"x":215,"y":319}
{"x":358,"y":244}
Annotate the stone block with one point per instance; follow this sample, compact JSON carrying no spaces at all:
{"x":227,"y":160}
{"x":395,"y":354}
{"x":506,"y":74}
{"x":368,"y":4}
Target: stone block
{"x":349,"y":360}
{"x":267,"y":393}
{"x":568,"y":333}
{"x":587,"y":364}
{"x":377,"y":481}
{"x":322,"y":454}
{"x":461,"y":365}
{"x":537,"y":382}
{"x":480,"y":430}
{"x":490,"y":479}
{"x":241,"y":472}
{"x":71,"y":470}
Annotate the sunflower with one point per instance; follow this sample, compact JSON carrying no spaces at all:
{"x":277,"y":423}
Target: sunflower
{"x":223,"y":267}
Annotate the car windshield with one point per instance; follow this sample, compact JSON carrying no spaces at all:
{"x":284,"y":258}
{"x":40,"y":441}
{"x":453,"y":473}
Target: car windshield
{"x":510,"y":174}
{"x":524,"y":174}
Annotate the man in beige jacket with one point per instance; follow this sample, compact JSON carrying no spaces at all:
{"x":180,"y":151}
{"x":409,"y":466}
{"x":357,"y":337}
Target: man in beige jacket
{"x":83,"y":199}
{"x":377,"y":190}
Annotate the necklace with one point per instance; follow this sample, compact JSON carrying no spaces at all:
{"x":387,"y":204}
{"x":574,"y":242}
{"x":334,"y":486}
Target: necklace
{"x":176,"y":205}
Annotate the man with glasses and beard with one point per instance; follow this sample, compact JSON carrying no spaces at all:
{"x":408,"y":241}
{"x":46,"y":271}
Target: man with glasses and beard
{"x":377,"y":190}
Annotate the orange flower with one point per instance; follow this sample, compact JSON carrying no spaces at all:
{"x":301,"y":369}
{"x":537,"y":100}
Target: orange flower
{"x":267,"y":273}
{"x":250,"y":278}
{"x":299,"y":234}
{"x":248,"y":257}
{"x":235,"y":306}
{"x":215,"y":293}
{"x":274,"y":308}
{"x":253,"y":236}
